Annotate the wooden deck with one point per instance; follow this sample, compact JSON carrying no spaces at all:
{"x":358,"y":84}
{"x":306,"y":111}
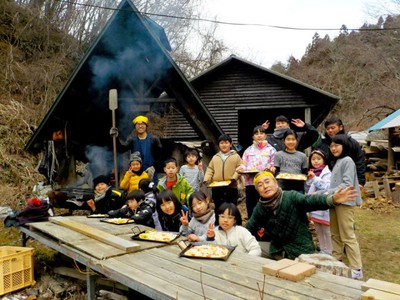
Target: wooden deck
{"x":157,"y":271}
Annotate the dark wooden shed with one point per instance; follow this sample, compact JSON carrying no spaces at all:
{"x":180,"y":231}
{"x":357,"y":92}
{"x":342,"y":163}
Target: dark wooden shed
{"x":131,"y":55}
{"x":241,"y":95}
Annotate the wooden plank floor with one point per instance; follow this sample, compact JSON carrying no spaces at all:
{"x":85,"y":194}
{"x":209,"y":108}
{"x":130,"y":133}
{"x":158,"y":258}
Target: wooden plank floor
{"x":156,"y":270}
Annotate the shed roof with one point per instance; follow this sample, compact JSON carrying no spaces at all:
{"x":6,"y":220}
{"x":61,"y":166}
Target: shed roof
{"x":240,"y":94}
{"x":393,"y":120}
{"x":130,"y":55}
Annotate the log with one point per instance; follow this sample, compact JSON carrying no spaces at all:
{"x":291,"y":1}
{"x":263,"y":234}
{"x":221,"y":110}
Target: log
{"x":396,"y":193}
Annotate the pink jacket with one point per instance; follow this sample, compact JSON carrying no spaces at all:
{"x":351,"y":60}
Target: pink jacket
{"x":257,"y":156}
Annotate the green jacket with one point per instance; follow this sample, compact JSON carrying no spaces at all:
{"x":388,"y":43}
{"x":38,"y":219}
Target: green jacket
{"x":181,"y":189}
{"x":287,"y":227}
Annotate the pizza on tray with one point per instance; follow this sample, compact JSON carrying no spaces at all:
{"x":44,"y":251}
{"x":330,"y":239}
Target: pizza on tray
{"x":158,"y":236}
{"x":119,"y":221}
{"x":207,"y":251}
{"x":220,"y":183}
{"x":292,"y":176}
{"x":98,"y":216}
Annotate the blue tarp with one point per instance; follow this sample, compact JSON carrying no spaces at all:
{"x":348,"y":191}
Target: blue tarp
{"x":393,"y":120}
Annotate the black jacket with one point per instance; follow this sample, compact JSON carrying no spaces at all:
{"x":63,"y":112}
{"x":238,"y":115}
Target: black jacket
{"x":306,"y":137}
{"x":356,"y":154}
{"x":143,"y":214}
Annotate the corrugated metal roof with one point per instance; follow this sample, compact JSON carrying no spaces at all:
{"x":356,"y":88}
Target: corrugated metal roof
{"x":393,"y":120}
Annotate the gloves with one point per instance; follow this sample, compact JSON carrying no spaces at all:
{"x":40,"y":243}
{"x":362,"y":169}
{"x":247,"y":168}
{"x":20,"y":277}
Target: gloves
{"x":114,"y":131}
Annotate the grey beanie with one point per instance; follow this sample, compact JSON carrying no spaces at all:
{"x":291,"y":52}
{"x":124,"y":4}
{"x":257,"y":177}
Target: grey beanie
{"x":135,"y":156}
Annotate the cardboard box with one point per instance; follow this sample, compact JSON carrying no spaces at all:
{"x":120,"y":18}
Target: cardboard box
{"x":273,"y":268}
{"x":297,"y":271}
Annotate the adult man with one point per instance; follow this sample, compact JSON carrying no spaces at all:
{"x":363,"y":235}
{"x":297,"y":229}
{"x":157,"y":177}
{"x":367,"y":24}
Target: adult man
{"x":279,"y":218}
{"x":147,"y":144}
{"x":334,"y":126}
{"x":307,"y":134}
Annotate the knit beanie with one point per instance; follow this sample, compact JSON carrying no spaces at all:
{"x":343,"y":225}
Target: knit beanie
{"x":135,"y":156}
{"x":101,"y":178}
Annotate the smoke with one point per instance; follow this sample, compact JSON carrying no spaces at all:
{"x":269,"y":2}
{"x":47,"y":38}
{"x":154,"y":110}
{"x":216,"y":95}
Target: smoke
{"x":100,"y":160}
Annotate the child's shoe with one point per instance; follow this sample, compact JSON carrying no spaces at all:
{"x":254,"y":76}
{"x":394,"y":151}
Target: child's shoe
{"x":356,"y":274}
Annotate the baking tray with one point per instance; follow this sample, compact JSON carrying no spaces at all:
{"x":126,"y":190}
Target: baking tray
{"x":300,"y":177}
{"x":137,"y":232}
{"x":216,"y":184}
{"x":110,"y":221}
{"x":98,"y":216}
{"x":250,"y":172}
{"x":191,"y":245}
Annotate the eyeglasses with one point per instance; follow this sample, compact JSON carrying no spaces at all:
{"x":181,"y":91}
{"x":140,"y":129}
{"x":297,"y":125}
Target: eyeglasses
{"x":227,"y":217}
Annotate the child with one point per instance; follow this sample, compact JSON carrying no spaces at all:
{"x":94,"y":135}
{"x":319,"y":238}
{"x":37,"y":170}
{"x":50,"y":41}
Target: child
{"x":257,"y":157}
{"x":135,"y":173}
{"x":169,"y":211}
{"x":193,"y":170}
{"x":344,"y":174}
{"x":290,"y":161}
{"x":319,"y":179}
{"x":223,"y":167}
{"x":229,"y":231}
{"x":175,"y":182}
{"x":150,"y":192}
{"x":136,"y":208}
{"x":105,"y":197}
{"x":202,"y":216}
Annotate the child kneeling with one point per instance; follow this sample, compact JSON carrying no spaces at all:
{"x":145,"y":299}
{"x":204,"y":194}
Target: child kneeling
{"x":229,"y":231}
{"x":136,"y":208}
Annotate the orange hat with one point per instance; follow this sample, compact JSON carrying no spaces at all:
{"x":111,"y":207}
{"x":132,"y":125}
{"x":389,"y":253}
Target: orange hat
{"x":262,"y":174}
{"x":142,"y":119}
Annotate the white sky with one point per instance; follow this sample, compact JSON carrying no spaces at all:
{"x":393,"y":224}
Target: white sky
{"x":265,"y":46}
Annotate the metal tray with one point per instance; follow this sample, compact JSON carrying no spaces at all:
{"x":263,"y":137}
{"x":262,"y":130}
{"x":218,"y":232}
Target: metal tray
{"x":183,"y":252}
{"x":110,"y":221}
{"x":98,"y":216}
{"x":300,"y":177}
{"x":216,"y":184}
{"x":137,"y":232}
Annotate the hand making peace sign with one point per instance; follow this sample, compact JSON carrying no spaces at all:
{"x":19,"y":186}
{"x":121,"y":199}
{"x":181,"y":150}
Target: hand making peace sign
{"x":185,"y":218}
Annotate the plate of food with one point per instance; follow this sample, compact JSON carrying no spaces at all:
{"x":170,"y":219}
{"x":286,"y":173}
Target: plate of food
{"x":207,"y":251}
{"x":292,"y":176}
{"x":155,"y":236}
{"x":220,"y":183}
{"x":118,"y":221}
{"x":98,"y":216}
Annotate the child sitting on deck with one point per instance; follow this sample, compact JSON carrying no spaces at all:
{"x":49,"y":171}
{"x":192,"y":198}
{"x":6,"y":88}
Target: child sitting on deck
{"x":136,"y":208}
{"x":105,"y":197}
{"x":229,"y":231}
{"x":203,"y":215}
{"x":169,"y":211}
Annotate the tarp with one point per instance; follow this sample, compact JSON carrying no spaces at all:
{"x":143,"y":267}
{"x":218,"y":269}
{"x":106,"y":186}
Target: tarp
{"x":393,"y":120}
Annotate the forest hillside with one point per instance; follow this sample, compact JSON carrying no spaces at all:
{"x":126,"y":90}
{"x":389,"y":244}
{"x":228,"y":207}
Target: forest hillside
{"x":361,"y":67}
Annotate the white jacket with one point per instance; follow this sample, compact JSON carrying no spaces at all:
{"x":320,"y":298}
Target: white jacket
{"x":239,"y":237}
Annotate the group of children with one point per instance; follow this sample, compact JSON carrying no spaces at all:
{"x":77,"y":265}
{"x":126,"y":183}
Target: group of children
{"x":177,"y":204}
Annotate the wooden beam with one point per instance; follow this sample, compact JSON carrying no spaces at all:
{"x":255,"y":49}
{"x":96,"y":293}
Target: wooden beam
{"x":97,"y":234}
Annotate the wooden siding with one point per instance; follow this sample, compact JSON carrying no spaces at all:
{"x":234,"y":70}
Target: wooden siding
{"x":236,"y":86}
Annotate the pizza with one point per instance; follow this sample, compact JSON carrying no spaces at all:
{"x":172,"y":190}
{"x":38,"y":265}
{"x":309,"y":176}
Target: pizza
{"x":220,"y":183}
{"x":119,"y":221}
{"x":158,"y":236}
{"x":207,"y":251}
{"x":98,"y":216}
{"x":292,"y":176}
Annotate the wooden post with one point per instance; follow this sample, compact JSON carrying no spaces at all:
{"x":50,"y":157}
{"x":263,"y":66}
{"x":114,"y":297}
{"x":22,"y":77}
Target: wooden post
{"x":390,"y":166}
{"x":375,"y":186}
{"x":388,"y":191}
{"x":396,"y":193}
